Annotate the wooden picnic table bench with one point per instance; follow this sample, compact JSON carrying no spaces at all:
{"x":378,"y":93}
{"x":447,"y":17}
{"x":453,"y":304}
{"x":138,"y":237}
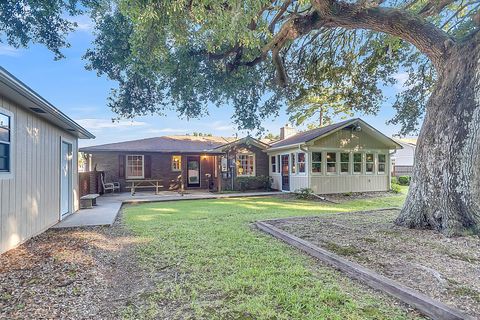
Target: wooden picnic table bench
{"x":88,"y":201}
{"x":149,"y":183}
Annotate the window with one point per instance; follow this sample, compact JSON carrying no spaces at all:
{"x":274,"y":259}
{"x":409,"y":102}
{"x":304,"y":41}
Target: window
{"x":301,"y":162}
{"x":369,"y":160}
{"x":134,"y":167}
{"x":316,"y":162}
{"x":357,"y":163}
{"x":344,"y":162}
{"x":274,"y":164}
{"x":5,"y":140}
{"x":331,"y":162}
{"x":245,"y":165}
{"x":278,"y":161}
{"x":176,"y":163}
{"x":382,"y":161}
{"x":294,"y":164}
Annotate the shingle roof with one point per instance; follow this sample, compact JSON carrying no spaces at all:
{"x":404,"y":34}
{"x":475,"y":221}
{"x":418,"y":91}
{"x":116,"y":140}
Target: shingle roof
{"x":305,"y":136}
{"x":164,"y":144}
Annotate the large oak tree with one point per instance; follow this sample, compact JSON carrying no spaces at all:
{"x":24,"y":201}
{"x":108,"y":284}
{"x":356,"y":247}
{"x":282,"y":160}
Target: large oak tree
{"x":258,"y":54}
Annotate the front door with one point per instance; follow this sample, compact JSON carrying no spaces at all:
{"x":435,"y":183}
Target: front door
{"x":193,"y":171}
{"x":65,"y":179}
{"x":285,"y":173}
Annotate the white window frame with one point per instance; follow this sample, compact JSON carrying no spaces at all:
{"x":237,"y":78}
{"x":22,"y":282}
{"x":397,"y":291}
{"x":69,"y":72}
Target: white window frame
{"x":305,"y":155}
{"x":367,"y":162}
{"x":253,"y":174}
{"x":272,"y":164}
{"x":172,"y":165}
{"x":127,"y":166}
{"x":349,"y":162}
{"x":9,"y":174}
{"x":327,"y":162}
{"x":321,"y":163}
{"x":378,"y":163}
{"x":293,"y":162}
{"x":354,"y":162}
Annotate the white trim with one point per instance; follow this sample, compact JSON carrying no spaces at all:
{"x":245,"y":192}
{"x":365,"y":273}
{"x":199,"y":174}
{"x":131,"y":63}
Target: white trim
{"x":253,"y":174}
{"x":9,"y":174}
{"x":171,"y":163}
{"x":71,"y":208}
{"x":126,"y":166}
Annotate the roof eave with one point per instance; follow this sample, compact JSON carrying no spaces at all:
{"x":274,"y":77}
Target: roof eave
{"x":26,"y":92}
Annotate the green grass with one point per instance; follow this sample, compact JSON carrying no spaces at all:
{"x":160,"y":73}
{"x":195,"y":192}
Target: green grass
{"x":210,"y":263}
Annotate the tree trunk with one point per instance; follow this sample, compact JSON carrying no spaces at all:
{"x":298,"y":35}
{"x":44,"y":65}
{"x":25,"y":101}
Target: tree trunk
{"x":444,"y":193}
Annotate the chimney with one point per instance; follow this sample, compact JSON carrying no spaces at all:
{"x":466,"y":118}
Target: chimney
{"x":287,"y":131}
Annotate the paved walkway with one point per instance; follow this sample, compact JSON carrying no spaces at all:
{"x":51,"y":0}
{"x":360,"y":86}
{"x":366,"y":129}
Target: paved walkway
{"x":108,"y":206}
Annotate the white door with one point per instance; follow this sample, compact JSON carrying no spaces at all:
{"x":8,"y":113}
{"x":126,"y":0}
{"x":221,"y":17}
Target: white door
{"x":65,"y":179}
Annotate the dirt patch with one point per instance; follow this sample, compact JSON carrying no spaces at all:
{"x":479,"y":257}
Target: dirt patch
{"x":71,"y":274}
{"x":446,"y":269}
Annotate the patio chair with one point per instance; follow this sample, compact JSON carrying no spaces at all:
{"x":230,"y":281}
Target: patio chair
{"x":110,"y":185}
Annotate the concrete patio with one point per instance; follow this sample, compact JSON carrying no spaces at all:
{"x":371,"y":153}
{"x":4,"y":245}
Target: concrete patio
{"x":109,"y":205}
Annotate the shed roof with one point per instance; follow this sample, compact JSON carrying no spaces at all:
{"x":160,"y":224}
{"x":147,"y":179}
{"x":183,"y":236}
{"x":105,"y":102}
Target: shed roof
{"x":180,"y":143}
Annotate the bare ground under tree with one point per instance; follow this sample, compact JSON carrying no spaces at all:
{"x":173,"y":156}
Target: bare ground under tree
{"x":446,"y":269}
{"x":72,"y":274}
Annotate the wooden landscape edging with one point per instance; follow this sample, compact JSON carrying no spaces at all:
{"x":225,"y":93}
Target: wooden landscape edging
{"x":426,"y":305}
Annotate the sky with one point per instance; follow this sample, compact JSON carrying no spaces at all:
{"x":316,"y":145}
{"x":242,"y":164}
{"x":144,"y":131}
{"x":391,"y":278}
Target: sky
{"x":82,"y":95}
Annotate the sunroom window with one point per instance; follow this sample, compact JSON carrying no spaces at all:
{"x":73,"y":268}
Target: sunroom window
{"x":301,"y":162}
{"x":344,"y":162}
{"x":294,"y":164}
{"x":331,"y":162}
{"x":382,"y":163}
{"x":5,"y":142}
{"x":357,"y":163}
{"x":316,"y":162}
{"x":370,"y":161}
{"x":274,"y":163}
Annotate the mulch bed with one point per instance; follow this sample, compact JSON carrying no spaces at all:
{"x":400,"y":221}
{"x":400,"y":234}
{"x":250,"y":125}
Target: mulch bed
{"x":71,"y":274}
{"x":446,"y":269}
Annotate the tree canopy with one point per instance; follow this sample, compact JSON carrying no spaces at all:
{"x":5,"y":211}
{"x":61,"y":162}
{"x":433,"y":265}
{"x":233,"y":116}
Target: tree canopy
{"x":256,"y":54}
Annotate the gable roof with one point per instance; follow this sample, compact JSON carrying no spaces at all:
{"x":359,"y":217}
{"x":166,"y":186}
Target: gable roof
{"x":310,"y":135}
{"x":25,"y":97}
{"x":178,"y":143}
{"x":247,"y":140}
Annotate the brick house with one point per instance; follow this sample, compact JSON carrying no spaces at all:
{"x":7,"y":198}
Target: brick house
{"x":188,"y":162}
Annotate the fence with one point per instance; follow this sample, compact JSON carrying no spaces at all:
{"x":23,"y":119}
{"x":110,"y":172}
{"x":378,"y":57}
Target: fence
{"x":90,"y":182}
{"x":402,"y":171}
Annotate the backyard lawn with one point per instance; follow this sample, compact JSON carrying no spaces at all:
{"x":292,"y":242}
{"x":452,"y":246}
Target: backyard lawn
{"x":209,"y":262}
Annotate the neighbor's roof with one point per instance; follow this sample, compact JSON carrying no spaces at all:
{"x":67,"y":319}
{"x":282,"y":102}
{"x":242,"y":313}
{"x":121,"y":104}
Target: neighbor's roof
{"x":24,"y":96}
{"x":165,"y":144}
{"x":306,"y":136}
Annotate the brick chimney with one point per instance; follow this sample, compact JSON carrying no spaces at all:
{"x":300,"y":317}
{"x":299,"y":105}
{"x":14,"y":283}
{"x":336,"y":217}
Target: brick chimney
{"x":287,"y":131}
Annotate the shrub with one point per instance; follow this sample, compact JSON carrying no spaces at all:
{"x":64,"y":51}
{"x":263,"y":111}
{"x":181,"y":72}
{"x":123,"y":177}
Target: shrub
{"x":304,"y":193}
{"x":394,"y":180}
{"x":254,"y":183}
{"x":404,"y":180}
{"x":396,"y":188}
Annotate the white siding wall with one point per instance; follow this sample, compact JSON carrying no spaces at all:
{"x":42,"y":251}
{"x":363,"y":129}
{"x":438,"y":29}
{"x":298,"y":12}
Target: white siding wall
{"x":30,"y":199}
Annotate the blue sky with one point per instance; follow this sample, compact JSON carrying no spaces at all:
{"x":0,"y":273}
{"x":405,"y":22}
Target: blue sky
{"x":83,"y":96}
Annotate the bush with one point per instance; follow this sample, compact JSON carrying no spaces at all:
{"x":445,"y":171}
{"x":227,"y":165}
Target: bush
{"x":304,"y":193}
{"x":394,"y":180}
{"x":395,"y":188}
{"x":404,"y":180}
{"x":254,"y":183}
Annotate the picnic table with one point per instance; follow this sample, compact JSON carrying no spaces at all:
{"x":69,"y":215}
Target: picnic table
{"x":135,"y":184}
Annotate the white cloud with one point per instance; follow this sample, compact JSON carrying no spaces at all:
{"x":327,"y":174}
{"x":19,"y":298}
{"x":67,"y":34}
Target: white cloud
{"x":84,"y":23}
{"x":401,"y":78}
{"x":99,"y":124}
{"x":6,"y":50}
{"x":221,"y":126}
